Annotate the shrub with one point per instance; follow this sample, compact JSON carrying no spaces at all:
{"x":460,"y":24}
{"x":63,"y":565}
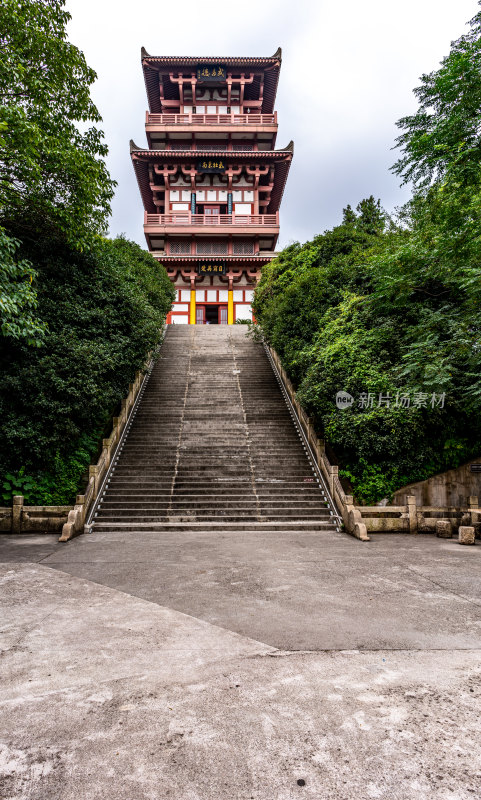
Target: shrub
{"x":104,"y":309}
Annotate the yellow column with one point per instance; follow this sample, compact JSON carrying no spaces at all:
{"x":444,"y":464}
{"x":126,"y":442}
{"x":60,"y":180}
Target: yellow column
{"x":230,"y":308}
{"x":192,"y":307}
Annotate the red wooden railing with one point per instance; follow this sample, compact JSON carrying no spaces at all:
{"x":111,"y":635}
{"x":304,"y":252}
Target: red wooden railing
{"x":211,"y":119}
{"x":184,"y":218}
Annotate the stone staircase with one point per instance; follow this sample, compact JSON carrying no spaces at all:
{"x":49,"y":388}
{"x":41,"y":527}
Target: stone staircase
{"x":212,"y":445}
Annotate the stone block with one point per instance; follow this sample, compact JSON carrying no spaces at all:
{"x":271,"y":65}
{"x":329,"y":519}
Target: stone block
{"x":17,"y":513}
{"x":353,"y":518}
{"x":476,"y":521}
{"x":444,"y":529}
{"x":360,"y":532}
{"x":466,"y":534}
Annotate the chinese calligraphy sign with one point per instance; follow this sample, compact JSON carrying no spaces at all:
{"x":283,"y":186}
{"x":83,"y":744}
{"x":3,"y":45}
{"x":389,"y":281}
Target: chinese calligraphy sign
{"x":211,"y":268}
{"x":211,"y":165}
{"x":211,"y":72}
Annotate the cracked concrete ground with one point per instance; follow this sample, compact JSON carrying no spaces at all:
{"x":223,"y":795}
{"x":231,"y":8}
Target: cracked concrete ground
{"x":209,"y":666}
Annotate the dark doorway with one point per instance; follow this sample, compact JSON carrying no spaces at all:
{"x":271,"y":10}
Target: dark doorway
{"x":212,"y":315}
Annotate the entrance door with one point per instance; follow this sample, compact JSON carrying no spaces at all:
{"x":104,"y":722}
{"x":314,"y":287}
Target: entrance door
{"x":223,"y":315}
{"x":211,"y":315}
{"x":200,"y":315}
{"x":212,"y":212}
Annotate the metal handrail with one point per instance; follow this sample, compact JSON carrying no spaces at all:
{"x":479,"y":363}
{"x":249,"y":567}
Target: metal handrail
{"x":305,"y":440}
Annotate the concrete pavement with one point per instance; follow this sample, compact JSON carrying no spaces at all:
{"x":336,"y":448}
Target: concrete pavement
{"x":293,"y":591}
{"x":232,"y":667}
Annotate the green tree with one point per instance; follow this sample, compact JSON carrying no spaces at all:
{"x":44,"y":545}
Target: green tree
{"x":52,"y":172}
{"x":105,"y":308}
{"x":304,"y":281}
{"x":371,"y":217}
{"x":442,"y":140}
{"x":98,"y":305}
{"x":434,"y":272}
{"x":18,"y":298}
{"x":402,"y":310}
{"x":348,"y":215}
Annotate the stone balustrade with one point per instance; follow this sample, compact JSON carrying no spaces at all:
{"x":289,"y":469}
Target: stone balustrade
{"x":362,"y":520}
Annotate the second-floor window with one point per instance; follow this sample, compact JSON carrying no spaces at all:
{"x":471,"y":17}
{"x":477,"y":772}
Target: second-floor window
{"x":243,"y":247}
{"x":181,"y":247}
{"x":208,"y":247}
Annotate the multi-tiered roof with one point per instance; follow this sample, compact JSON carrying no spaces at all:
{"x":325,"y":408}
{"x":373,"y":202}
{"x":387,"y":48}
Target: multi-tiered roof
{"x":215,"y":111}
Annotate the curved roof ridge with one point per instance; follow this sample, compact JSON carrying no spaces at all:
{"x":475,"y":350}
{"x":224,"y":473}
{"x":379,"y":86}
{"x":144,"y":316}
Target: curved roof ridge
{"x":133,"y":146}
{"x":156,"y":67}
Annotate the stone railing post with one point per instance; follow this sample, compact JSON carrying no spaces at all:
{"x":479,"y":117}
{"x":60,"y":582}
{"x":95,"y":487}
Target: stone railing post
{"x":94,"y":473}
{"x":333,"y":473}
{"x":17,"y":509}
{"x":106,"y":447}
{"x":115,"y":430}
{"x":123,"y":413}
{"x":309,"y":429}
{"x":353,"y":523}
{"x":412,"y":513}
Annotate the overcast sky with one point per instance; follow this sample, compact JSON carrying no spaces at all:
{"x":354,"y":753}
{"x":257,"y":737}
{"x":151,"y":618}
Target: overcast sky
{"x":348,"y":71}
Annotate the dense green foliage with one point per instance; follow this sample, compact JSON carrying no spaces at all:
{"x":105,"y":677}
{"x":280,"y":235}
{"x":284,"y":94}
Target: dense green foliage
{"x":52,"y":172}
{"x":395,"y":309}
{"x":94,"y":308}
{"x":18,"y":298}
{"x":104,"y":309}
{"x":53,"y":176}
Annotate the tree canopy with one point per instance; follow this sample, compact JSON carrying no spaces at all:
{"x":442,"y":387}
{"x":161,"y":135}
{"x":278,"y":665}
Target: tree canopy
{"x":104,"y":308}
{"x":52,"y":170}
{"x":18,"y":298}
{"x":442,"y":140}
{"x":94,"y":307}
{"x":394,"y":310}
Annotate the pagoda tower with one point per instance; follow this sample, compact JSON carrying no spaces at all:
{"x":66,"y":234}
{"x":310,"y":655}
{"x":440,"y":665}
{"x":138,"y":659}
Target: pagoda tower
{"x":211,"y":179}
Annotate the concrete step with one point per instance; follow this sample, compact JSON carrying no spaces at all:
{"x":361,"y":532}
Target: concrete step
{"x":208,"y":501}
{"x":221,"y":526}
{"x":203,"y":453}
{"x":266,"y":488}
{"x":212,"y":512}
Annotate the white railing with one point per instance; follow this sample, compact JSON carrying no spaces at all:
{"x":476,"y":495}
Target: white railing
{"x":186,"y":218}
{"x":211,"y":119}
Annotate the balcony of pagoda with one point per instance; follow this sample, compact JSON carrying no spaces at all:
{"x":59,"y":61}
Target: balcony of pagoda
{"x":187,"y":223}
{"x":211,"y":123}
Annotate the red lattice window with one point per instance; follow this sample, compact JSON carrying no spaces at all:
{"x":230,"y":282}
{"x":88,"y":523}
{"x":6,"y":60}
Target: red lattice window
{"x":180,"y":248}
{"x":211,"y":247}
{"x":243,"y":247}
